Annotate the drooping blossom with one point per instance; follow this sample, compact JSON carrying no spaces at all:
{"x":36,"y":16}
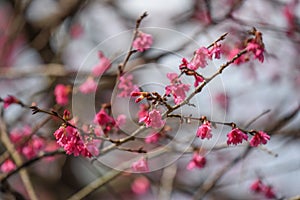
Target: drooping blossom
{"x":260,"y":137}
{"x":102,"y":118}
{"x":28,"y":147}
{"x":153,"y":119}
{"x":126,"y":86}
{"x":152,"y":138}
{"x":257,"y":186}
{"x":140,"y":165}
{"x":204,"y":131}
{"x":176,"y":88}
{"x":184,"y":68}
{"x":198,"y":161}
{"x":142,"y":42}
{"x":236,"y":136}
{"x":257,"y":49}
{"x":61,"y":93}
{"x":140,"y":185}
{"x":103,"y":65}
{"x":9,"y":100}
{"x":223,"y":100}
{"x":143,"y":111}
{"x":69,"y":138}
{"x":199,"y":59}
{"x":215,"y":50}
{"x":8,"y":166}
{"x":89,"y":86}
{"x":233,"y":52}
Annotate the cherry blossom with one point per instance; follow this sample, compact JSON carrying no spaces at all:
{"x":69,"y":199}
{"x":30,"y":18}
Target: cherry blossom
{"x":177,"y":89}
{"x":89,"y":86}
{"x":204,"y":131}
{"x":198,"y":161}
{"x":102,"y":117}
{"x":199,"y":59}
{"x":142,"y":42}
{"x":236,"y":136}
{"x":9,"y":100}
{"x":140,"y":165}
{"x":257,"y":186}
{"x":61,"y":93}
{"x":152,"y":138}
{"x":260,"y":137}
{"x":126,"y":86}
{"x":8,"y":166}
{"x":140,"y":185}
{"x":215,"y":50}
{"x":103,"y":65}
{"x":256,"y":49}
{"x":153,"y":119}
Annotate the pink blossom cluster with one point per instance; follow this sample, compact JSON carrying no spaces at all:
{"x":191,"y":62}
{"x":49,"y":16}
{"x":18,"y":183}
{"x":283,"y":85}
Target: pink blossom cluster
{"x":198,"y":161}
{"x":140,"y":165}
{"x":126,"y":86}
{"x":259,"y":187}
{"x":26,"y":144}
{"x":153,"y":119}
{"x":9,"y":100}
{"x":257,"y":49}
{"x":107,"y":122}
{"x":70,"y":139}
{"x":89,"y":86}
{"x":103,"y":65}
{"x":176,"y":88}
{"x":61,"y":93}
{"x":236,"y":136}
{"x":142,"y":42}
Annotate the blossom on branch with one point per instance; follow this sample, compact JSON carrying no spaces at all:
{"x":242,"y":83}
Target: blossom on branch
{"x":260,"y":137}
{"x":140,"y":165}
{"x":153,"y":119}
{"x":142,"y":42}
{"x":9,"y":100}
{"x":89,"y":86}
{"x":197,"y":161}
{"x":236,"y":136}
{"x":204,"y":131}
{"x":61,"y":93}
{"x":8,"y":166}
{"x":103,"y":65}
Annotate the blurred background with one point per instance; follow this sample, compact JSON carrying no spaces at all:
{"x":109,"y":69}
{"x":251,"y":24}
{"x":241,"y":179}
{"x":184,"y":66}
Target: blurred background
{"x":46,"y":42}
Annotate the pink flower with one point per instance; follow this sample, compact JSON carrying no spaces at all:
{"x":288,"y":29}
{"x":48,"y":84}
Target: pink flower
{"x":197,"y":161}
{"x":142,"y":42}
{"x":233,"y":53}
{"x":153,"y":119}
{"x":177,"y":89}
{"x":199,"y":59}
{"x":216,"y":50}
{"x":256,"y":49}
{"x":140,"y":165}
{"x":9,"y":100}
{"x":269,"y":192}
{"x":236,"y":136}
{"x":70,"y":139}
{"x":204,"y":131}
{"x":102,"y":118}
{"x":126,"y":86}
{"x":143,"y":111}
{"x":61,"y":94}
{"x":8,"y":166}
{"x":103,"y":65}
{"x":76,"y":30}
{"x":152,"y":138}
{"x":88,"y":86}
{"x":140,"y":185}
{"x":198,"y":79}
{"x":257,"y":186}
{"x":121,"y":120}
{"x":223,"y":100}
{"x":259,"y":138}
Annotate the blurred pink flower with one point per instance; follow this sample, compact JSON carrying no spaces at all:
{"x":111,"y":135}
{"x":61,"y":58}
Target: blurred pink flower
{"x":89,"y":86}
{"x":140,"y":185}
{"x":142,"y":42}
{"x":126,"y":86}
{"x":102,"y":118}
{"x":141,"y":165}
{"x":8,"y":166}
{"x":153,"y":119}
{"x":102,"y":66}
{"x":9,"y":100}
{"x":197,"y":161}
{"x":61,"y":93}
{"x":152,"y":138}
